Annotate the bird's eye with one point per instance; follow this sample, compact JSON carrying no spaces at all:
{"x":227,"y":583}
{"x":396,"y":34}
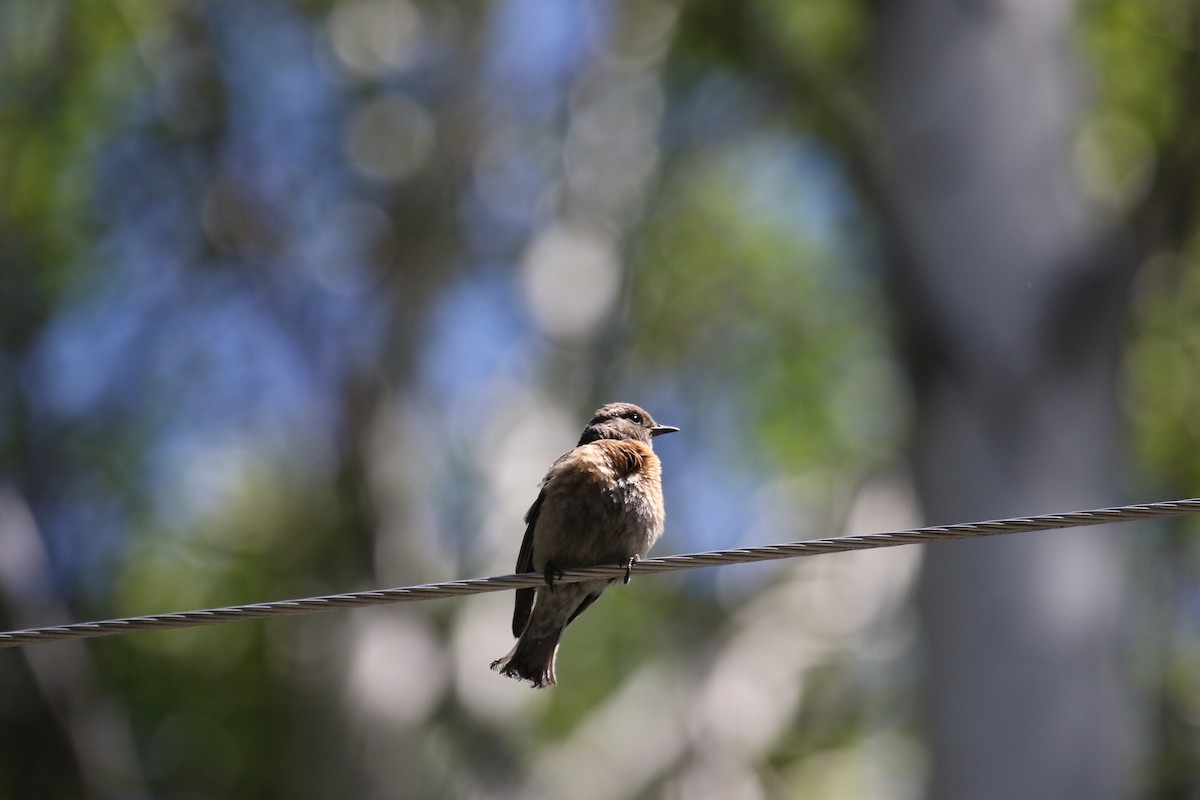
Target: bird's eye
{"x":635,"y":418}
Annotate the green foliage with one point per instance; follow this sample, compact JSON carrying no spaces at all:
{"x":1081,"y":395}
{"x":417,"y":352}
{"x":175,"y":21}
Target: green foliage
{"x":1136,"y":52}
{"x":759,"y":307}
{"x":830,"y":33}
{"x":210,"y":704}
{"x":1161,"y":363}
{"x":1138,"y":156}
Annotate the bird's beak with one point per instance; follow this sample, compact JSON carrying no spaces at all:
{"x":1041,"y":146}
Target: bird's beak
{"x":658,"y":430}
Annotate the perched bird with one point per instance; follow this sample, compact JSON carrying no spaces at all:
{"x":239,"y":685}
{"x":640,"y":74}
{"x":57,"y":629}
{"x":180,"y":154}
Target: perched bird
{"x":600,"y":503}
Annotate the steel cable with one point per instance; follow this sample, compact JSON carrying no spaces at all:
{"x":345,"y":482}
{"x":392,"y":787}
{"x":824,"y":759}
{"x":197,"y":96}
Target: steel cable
{"x":434,"y":591}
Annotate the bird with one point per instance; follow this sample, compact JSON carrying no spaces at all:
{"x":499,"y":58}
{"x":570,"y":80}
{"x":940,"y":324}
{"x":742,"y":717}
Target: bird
{"x":600,"y":503}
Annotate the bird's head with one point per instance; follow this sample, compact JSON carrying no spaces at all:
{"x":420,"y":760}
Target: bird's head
{"x":623,"y":421}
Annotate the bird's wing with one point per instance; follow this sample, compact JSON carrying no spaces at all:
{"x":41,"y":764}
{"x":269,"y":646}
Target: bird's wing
{"x":524,"y":601}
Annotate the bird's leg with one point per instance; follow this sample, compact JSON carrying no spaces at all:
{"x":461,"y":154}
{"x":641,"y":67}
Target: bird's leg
{"x":628,"y":564}
{"x":551,"y":573}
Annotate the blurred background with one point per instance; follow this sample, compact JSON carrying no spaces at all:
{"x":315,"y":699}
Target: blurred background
{"x":304,"y":297}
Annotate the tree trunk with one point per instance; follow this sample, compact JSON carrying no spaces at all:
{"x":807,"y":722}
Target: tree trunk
{"x":1013,"y":300}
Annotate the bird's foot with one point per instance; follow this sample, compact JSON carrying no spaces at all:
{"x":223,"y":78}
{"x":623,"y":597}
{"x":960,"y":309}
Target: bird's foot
{"x":629,"y":562}
{"x":551,"y":574}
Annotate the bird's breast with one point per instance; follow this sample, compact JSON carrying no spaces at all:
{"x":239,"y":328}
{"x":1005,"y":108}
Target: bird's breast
{"x":603,"y":503}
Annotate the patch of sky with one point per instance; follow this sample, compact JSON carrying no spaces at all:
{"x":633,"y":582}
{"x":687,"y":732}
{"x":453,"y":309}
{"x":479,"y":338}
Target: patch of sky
{"x":534,"y":48}
{"x":477,"y":335}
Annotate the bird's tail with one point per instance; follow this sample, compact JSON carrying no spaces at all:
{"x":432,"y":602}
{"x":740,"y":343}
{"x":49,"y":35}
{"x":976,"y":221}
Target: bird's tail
{"x":531,"y":659}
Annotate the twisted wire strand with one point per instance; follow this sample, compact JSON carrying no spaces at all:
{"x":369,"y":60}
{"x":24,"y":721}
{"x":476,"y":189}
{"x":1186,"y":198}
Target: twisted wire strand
{"x":434,"y":591}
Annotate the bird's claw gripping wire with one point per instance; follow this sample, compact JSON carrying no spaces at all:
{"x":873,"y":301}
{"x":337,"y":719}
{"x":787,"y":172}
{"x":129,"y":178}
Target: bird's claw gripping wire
{"x":551,"y":574}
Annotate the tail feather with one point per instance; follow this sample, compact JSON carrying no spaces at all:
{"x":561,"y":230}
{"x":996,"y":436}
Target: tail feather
{"x":531,"y":659}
